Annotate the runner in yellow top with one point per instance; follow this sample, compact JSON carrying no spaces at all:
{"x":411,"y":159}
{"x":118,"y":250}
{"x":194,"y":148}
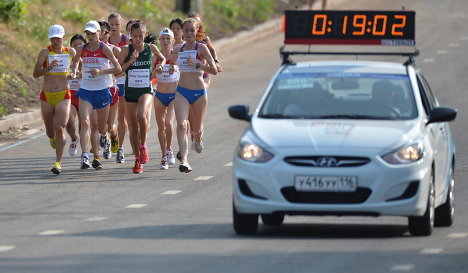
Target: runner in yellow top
{"x":53,"y":63}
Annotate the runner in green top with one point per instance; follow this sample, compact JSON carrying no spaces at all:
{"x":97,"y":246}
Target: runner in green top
{"x":136,"y":60}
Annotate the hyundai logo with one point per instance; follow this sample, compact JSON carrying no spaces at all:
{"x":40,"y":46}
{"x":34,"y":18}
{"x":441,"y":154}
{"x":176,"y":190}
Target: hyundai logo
{"x":327,"y":162}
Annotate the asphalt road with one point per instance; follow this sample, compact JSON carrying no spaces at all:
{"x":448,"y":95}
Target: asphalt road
{"x":165,"y":221}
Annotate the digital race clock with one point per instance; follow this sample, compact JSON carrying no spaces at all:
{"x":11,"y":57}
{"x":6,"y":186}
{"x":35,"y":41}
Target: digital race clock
{"x":350,"y":27}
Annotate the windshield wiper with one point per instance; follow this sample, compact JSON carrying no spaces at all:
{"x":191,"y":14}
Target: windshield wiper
{"x":279,"y":116}
{"x":354,"y":117}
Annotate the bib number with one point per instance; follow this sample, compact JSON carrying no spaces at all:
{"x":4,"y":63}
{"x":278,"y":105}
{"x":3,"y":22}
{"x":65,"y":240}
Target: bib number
{"x":63,"y":63}
{"x":139,"y":78}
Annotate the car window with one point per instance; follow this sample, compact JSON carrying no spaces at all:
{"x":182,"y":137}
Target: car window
{"x":427,"y":97}
{"x":340,"y":95}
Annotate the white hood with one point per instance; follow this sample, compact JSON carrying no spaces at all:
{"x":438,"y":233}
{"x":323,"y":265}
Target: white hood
{"x":369,"y":134}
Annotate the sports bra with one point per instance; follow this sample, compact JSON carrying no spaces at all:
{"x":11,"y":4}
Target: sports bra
{"x":64,"y":59}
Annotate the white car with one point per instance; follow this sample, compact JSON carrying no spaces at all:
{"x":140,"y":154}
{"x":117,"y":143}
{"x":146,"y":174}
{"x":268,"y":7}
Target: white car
{"x":345,"y":138}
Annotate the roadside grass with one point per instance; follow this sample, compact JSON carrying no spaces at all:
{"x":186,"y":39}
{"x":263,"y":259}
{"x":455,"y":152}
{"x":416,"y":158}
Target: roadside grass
{"x":24,"y":26}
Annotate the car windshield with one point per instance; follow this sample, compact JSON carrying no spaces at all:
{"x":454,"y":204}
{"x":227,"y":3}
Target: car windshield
{"x":340,"y":95}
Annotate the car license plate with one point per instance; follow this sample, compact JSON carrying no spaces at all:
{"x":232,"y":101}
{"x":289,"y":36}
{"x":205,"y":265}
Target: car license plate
{"x":326,"y":183}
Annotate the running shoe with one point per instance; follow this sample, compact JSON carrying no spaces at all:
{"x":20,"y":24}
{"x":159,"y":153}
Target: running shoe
{"x":179,"y":156}
{"x":164,"y":165}
{"x":198,"y":146}
{"x":144,"y":158}
{"x":103,"y":140}
{"x":73,"y":148}
{"x":184,"y":167}
{"x":96,"y":164}
{"x":120,"y":158}
{"x":85,"y":162}
{"x":114,"y":144}
{"x":170,"y":157}
{"x":52,"y":142}
{"x":137,"y":167}
{"x":57,"y":168}
{"x":107,"y":153}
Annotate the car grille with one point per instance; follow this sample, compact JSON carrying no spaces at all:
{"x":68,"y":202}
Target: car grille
{"x":327,"y":161}
{"x":357,"y":197}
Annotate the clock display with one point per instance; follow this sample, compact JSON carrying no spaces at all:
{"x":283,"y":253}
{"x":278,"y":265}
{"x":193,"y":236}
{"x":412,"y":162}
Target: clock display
{"x":350,"y":27}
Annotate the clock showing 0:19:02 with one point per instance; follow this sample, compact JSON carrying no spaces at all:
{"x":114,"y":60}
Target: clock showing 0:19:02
{"x":350,"y":27}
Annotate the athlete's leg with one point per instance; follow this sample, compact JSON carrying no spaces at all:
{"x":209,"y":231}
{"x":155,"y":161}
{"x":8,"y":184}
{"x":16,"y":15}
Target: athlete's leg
{"x":85,"y":111}
{"x":122,"y":121}
{"x":62,"y":111}
{"x":48,"y":111}
{"x":102,"y":116}
{"x":131,"y":116}
{"x":198,"y":116}
{"x":169,"y":121}
{"x":182,"y":106}
{"x":144,"y":110}
{"x":94,"y":135}
{"x":71,"y":127}
{"x":160,"y":113}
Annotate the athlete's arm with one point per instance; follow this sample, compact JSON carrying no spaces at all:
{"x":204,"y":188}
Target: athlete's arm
{"x":175,"y":55}
{"x":123,"y":54}
{"x":110,"y":56}
{"x":116,"y":51}
{"x":75,"y":63}
{"x":211,"y":65}
{"x":162,"y":60}
{"x":41,"y":58}
{"x":212,"y":50}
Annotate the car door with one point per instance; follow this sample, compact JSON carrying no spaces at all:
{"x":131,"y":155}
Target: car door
{"x":437,"y":134}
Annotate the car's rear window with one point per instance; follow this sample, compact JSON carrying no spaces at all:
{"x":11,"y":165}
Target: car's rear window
{"x":340,"y":95}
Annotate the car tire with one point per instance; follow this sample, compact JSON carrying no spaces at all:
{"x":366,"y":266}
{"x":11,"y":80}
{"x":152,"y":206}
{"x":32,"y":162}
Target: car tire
{"x":445,"y":214}
{"x":245,"y":224}
{"x":423,"y":225}
{"x":272,"y":219}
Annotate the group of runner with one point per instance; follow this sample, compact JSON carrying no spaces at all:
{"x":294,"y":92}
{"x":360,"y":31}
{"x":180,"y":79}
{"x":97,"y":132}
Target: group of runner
{"x":106,"y":75}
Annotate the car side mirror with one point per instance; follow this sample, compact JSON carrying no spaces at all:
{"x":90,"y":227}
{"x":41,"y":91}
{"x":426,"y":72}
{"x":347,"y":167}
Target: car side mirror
{"x":240,"y":111}
{"x":442,"y":114}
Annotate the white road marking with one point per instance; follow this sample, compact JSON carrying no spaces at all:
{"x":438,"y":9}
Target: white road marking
{"x":1,"y":144}
{"x":203,"y":178}
{"x":6,"y":248}
{"x":432,"y":250}
{"x":453,"y":45}
{"x":135,"y":206}
{"x":441,"y":52}
{"x":428,"y":60}
{"x":229,"y":164}
{"x":52,"y":232}
{"x":457,"y":235}
{"x":402,"y":267}
{"x":171,"y":192}
{"x":96,"y":219}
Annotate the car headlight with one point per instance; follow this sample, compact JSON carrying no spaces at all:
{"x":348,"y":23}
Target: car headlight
{"x":406,"y":154}
{"x":252,"y":152}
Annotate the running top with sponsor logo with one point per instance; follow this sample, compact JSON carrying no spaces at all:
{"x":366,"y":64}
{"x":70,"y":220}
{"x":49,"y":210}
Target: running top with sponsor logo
{"x":165,"y":77}
{"x":64,"y":60}
{"x":123,"y":41}
{"x":183,"y":56}
{"x":139,"y":72}
{"x":94,"y":59}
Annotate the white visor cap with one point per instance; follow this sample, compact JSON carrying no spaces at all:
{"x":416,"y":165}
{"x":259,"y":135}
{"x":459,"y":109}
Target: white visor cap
{"x":166,"y":31}
{"x":56,"y":31}
{"x":92,"y":26}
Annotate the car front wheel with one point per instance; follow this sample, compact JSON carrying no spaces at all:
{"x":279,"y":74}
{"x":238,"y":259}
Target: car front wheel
{"x":244,"y":223}
{"x":423,"y":225}
{"x":445,"y":214}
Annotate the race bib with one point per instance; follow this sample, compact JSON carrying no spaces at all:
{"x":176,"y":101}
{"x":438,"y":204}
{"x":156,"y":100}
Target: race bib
{"x":165,"y":77}
{"x":63,"y":63}
{"x":74,"y":84}
{"x":139,"y":78}
{"x":88,"y":77}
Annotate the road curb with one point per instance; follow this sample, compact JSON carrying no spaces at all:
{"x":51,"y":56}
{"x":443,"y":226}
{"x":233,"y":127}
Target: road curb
{"x":17,"y":120}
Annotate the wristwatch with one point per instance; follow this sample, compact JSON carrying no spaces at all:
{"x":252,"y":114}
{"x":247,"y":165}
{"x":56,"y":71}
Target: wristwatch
{"x":197,"y":66}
